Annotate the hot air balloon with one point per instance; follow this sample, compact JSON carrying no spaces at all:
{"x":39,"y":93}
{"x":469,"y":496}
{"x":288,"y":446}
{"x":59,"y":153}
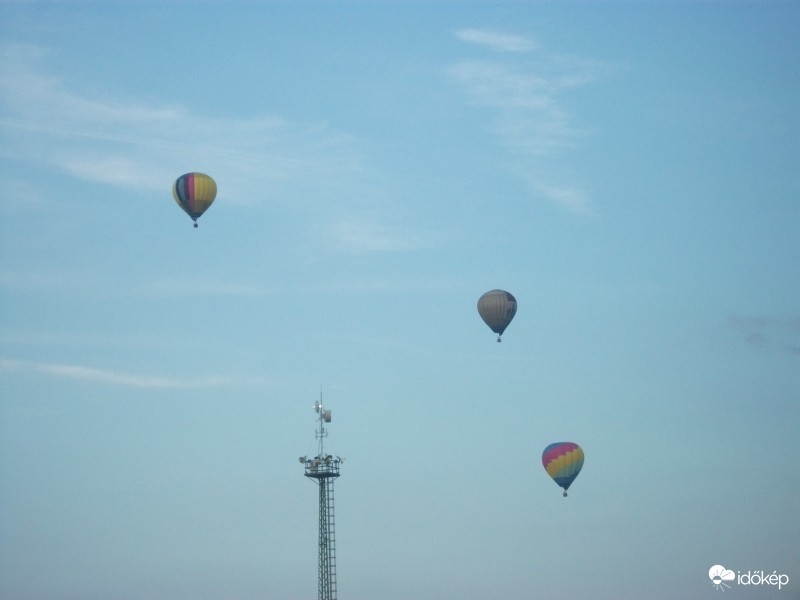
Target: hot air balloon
{"x":497,"y":308}
{"x":563,"y":462}
{"x":194,"y":193}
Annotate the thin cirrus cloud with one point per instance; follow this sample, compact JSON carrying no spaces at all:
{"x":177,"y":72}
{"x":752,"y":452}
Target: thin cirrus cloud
{"x":75,"y":284}
{"x":355,"y":235}
{"x":126,"y":142}
{"x":499,"y":42}
{"x":528,"y":117}
{"x":110,"y":377}
{"x":203,"y":286}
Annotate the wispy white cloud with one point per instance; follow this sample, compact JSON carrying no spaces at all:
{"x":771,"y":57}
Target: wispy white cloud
{"x":109,"y":377}
{"x":203,"y":286}
{"x":38,"y":281}
{"x":367,"y":234}
{"x":502,"y":86}
{"x":44,"y":281}
{"x":129,"y":143}
{"x":528,"y":114}
{"x":574,"y":199}
{"x":500,"y":42}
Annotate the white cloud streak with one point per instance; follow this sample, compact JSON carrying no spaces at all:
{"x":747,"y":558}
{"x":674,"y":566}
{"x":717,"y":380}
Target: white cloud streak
{"x":132,"y":144}
{"x":355,"y":235}
{"x":43,"y":281}
{"x":529,"y":117}
{"x":574,"y":199}
{"x":126,"y":143}
{"x":108,"y":377}
{"x":499,"y":42}
{"x":203,"y":287}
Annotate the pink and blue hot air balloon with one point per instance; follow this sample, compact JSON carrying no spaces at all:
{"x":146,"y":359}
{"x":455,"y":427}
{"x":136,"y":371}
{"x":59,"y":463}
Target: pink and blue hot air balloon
{"x":563,"y":462}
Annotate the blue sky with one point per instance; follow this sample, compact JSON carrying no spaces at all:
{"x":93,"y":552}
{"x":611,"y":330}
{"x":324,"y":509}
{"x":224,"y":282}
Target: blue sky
{"x":629,"y":171}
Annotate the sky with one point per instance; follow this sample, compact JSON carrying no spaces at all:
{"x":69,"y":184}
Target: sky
{"x":628,"y":170}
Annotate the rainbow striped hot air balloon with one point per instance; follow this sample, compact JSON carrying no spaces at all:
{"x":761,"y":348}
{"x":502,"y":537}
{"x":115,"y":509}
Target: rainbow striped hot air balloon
{"x":563,"y":462}
{"x":194,"y":193}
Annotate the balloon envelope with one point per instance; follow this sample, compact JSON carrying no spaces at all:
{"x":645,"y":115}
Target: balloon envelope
{"x":563,"y":461}
{"x":194,"y":193}
{"x":497,"y":308}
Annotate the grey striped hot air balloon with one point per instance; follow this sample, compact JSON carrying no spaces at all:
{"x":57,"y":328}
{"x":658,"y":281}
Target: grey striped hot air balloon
{"x":497,"y":308}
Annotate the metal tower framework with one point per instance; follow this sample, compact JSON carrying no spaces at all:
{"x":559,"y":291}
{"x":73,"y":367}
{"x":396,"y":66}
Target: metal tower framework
{"x":323,"y":469}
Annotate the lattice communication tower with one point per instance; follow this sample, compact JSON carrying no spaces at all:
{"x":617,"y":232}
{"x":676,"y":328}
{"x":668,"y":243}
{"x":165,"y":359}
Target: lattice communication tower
{"x":323,"y":470}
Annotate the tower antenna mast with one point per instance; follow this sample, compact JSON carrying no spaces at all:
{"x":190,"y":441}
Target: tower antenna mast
{"x":323,"y":469}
